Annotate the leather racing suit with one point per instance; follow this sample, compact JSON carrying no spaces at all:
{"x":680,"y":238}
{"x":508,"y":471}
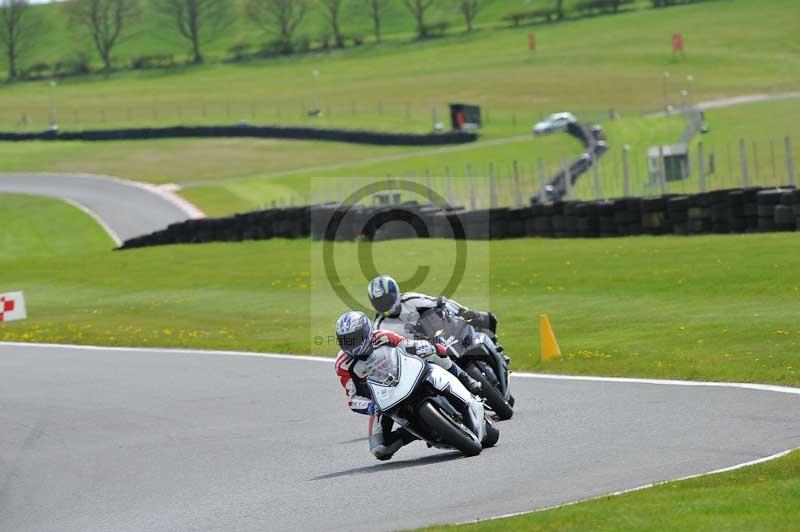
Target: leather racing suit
{"x":352,"y":373}
{"x":413,"y":304}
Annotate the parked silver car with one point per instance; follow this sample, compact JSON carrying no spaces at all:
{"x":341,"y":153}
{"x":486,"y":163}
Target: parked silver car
{"x":553,"y":123}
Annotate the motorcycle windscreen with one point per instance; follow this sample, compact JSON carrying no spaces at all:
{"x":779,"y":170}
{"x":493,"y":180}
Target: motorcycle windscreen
{"x":431,"y":323}
{"x":392,"y":376}
{"x":451,"y":331}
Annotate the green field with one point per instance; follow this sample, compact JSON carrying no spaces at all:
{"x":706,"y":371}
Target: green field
{"x":695,"y":308}
{"x":324,"y":183}
{"x":223,"y":176}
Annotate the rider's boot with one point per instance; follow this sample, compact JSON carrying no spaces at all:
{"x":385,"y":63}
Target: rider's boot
{"x":383,"y":446}
{"x":500,"y":350}
{"x":469,"y":383}
{"x":476,"y":418}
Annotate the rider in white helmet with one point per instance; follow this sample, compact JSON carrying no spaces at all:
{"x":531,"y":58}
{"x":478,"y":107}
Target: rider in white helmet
{"x":358,"y":340}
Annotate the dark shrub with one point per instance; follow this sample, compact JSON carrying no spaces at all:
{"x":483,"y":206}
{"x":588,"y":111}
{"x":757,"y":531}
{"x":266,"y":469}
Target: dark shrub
{"x":238,"y":51}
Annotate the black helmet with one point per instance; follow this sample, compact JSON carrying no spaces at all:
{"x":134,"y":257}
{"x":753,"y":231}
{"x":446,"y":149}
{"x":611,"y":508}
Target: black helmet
{"x":384,"y":294}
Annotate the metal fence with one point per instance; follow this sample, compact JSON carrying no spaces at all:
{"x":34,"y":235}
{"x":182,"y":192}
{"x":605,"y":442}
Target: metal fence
{"x":619,"y":173}
{"x":41,"y":113}
{"x":707,"y":167}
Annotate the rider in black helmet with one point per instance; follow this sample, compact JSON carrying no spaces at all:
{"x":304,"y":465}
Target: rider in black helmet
{"x":399,"y":312}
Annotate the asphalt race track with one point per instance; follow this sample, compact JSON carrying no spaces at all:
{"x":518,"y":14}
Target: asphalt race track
{"x":128,"y":209}
{"x":117,"y":440}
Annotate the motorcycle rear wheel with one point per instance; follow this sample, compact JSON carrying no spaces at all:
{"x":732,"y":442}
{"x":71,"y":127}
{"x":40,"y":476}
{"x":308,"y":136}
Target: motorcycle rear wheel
{"x":493,"y":397}
{"x":450,"y":433}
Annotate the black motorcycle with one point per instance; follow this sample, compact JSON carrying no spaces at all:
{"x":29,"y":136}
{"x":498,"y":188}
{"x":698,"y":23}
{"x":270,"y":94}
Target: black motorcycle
{"x":475,"y":352}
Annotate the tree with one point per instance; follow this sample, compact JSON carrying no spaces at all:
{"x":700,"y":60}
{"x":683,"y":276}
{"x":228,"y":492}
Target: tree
{"x":281,"y":17}
{"x":418,"y":8}
{"x":198,"y":21}
{"x":17,"y":29}
{"x":470,"y":8}
{"x":107,"y":21}
{"x":332,"y":11}
{"x":376,"y":10}
{"x":560,"y":9}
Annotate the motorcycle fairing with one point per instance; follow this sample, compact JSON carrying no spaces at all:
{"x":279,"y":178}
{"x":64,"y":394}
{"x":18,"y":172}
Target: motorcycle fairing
{"x":410,"y":371}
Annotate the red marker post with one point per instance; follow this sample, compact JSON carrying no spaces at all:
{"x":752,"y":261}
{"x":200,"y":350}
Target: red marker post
{"x":677,"y":43}
{"x":531,"y":41}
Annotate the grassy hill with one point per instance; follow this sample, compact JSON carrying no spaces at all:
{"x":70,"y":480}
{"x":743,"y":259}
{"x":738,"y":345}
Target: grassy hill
{"x":152,"y":35}
{"x":587,"y":65}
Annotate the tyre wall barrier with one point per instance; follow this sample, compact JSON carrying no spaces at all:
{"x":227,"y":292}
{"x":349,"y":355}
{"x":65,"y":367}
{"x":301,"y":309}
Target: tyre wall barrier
{"x":293,"y":133}
{"x":749,"y":210}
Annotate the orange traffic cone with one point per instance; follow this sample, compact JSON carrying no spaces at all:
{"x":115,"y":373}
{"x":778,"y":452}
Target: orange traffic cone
{"x":548,"y":343}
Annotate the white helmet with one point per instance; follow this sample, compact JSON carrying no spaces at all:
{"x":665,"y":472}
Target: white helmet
{"x":354,"y":334}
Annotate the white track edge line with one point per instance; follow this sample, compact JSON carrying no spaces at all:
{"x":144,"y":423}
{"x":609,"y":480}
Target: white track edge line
{"x":188,"y":208}
{"x":637,"y":488}
{"x":169,"y":350}
{"x":524,"y":375}
{"x":666,"y":382}
{"x":96,"y":217}
{"x":191,"y":210}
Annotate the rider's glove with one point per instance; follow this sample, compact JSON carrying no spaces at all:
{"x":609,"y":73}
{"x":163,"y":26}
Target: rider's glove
{"x":372,"y":408}
{"x":424,"y":349}
{"x":441,"y":347}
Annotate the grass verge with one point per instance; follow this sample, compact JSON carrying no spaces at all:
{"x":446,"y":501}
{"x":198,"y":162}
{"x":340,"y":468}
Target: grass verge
{"x":759,"y":497}
{"x":39,"y":228}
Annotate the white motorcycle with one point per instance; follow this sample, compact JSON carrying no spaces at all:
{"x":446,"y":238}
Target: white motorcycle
{"x":429,"y":402}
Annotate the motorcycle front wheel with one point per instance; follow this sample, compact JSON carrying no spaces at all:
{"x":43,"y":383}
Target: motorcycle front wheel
{"x":448,"y":430}
{"x":493,"y":397}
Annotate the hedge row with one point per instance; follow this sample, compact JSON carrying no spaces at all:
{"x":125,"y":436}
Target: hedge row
{"x":295,"y":133}
{"x":722,"y":211}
